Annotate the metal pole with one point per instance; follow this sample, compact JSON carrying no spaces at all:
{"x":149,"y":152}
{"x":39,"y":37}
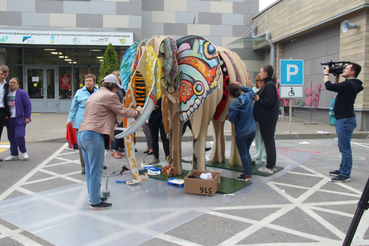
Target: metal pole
{"x":290,"y":115}
{"x":363,"y":204}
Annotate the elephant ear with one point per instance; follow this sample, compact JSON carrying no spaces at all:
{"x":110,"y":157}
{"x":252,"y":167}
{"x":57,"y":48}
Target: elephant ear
{"x":126,"y":71}
{"x":198,"y":73}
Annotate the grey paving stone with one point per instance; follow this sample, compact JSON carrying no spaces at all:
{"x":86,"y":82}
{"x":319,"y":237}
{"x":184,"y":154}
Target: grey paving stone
{"x":220,"y":229}
{"x":36,"y":239}
{"x":15,"y":194}
{"x":342,"y":223}
{"x":261,"y":195}
{"x":9,"y":242}
{"x":346,"y":208}
{"x":298,"y":220}
{"x":293,"y":192}
{"x":8,"y":225}
{"x":156,"y":241}
{"x":320,"y":196}
{"x":268,"y":235}
{"x":299,"y":180}
{"x":38,"y":176}
{"x":253,"y":214}
{"x":65,"y":168}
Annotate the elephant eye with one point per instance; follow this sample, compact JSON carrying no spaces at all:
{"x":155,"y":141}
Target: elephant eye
{"x":198,"y":88}
{"x":210,"y":51}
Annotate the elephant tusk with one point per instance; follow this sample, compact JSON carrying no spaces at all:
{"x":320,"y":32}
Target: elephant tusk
{"x":146,"y":111}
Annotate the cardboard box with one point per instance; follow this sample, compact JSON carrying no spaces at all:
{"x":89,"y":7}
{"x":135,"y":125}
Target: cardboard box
{"x":201,"y":186}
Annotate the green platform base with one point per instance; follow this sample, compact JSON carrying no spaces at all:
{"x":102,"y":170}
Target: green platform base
{"x":254,"y":170}
{"x":227,"y":185}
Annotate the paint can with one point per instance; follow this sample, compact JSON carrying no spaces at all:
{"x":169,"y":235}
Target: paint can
{"x":105,"y":192}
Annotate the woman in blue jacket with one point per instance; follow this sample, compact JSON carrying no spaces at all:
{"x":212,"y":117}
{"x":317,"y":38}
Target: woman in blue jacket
{"x":77,"y":110}
{"x":240,"y":114}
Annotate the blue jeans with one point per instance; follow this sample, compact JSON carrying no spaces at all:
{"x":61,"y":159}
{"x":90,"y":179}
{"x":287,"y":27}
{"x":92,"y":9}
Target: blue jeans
{"x":344,"y":129}
{"x":93,"y":149}
{"x":243,"y":146}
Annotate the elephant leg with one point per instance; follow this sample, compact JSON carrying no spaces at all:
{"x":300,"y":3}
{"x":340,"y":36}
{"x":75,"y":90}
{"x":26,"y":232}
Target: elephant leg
{"x":199,"y":144}
{"x":234,"y":158}
{"x":176,"y":145}
{"x":217,"y":152}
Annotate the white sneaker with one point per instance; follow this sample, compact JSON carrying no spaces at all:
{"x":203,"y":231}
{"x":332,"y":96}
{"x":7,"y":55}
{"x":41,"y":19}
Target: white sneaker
{"x":266,"y":170}
{"x":253,"y":159}
{"x":263,"y":161}
{"x":25,"y":155}
{"x":12,"y":158}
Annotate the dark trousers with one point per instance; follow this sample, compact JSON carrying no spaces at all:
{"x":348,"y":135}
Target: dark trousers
{"x":2,"y":120}
{"x":154,"y":131}
{"x":267,"y":133}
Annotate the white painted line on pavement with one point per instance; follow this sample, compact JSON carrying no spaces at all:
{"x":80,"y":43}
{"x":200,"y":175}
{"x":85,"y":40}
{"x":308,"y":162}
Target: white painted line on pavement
{"x":30,"y":174}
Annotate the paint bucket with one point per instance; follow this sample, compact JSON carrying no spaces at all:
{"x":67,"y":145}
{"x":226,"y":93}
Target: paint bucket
{"x":105,"y":192}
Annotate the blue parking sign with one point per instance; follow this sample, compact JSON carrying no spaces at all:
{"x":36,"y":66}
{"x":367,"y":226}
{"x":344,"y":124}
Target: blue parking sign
{"x":292,"y":72}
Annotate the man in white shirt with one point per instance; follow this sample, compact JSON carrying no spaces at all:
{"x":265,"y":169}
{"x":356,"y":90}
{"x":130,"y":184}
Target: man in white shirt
{"x":4,"y":88}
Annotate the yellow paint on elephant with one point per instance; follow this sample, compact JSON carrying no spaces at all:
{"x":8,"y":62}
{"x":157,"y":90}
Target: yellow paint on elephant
{"x":151,"y":74}
{"x":134,"y":165}
{"x":129,"y":148}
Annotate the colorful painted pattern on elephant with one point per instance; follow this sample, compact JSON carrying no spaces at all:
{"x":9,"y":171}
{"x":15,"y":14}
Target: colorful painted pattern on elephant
{"x":125,"y":68}
{"x":167,"y":57}
{"x":223,"y":103}
{"x":198,"y":73}
{"x":139,"y":89}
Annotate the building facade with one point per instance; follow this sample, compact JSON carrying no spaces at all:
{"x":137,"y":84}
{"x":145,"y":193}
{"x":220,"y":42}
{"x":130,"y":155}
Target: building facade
{"x":312,"y":32}
{"x":51,"y":69}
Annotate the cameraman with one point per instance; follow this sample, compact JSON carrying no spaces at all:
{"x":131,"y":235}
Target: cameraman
{"x":344,"y":113}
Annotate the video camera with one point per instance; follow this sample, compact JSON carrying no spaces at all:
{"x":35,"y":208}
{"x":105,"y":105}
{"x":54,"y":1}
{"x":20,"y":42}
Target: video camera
{"x":336,"y":67}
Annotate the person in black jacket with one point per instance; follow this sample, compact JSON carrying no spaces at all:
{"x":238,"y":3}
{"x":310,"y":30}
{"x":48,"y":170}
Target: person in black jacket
{"x":156,"y":124}
{"x":345,"y":116}
{"x":4,"y":90}
{"x":266,"y":110}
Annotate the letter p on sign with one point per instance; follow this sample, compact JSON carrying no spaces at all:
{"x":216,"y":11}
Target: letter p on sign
{"x":292,"y":72}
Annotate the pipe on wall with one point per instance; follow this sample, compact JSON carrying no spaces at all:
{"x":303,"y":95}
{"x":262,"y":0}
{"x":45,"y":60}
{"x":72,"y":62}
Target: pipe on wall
{"x":267,"y":38}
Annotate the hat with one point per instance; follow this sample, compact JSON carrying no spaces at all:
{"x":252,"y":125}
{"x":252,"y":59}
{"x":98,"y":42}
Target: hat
{"x":112,"y":79}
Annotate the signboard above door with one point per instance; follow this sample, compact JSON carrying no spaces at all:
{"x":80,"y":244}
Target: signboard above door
{"x":9,"y":36}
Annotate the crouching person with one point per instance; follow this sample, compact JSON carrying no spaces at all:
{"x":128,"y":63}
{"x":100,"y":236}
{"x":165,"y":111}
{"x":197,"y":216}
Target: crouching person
{"x":240,"y":114}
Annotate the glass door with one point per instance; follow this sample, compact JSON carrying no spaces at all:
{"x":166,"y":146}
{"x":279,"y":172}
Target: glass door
{"x":42,"y":90}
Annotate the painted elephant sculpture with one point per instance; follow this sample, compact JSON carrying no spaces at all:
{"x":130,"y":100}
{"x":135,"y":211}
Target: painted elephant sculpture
{"x":192,"y":76}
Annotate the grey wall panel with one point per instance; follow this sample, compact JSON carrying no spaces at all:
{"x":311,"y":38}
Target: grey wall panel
{"x":215,"y":40}
{"x":232,"y":19}
{"x":239,"y":30}
{"x":175,"y":29}
{"x":314,"y":48}
{"x":43,"y":6}
{"x":11,"y":18}
{"x":84,"y":20}
{"x":153,"y":5}
{"x":196,"y":6}
{"x":146,"y":16}
{"x":210,"y":18}
{"x":135,"y":22}
{"x":153,"y":29}
{"x":76,"y":7}
{"x":187,"y":17}
{"x":128,"y":9}
{"x":35,"y":19}
{"x":106,"y":8}
{"x":28,"y":6}
{"x":241,"y":8}
{"x":221,"y":30}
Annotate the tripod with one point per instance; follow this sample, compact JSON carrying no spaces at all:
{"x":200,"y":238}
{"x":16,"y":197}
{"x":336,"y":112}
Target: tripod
{"x":362,"y":204}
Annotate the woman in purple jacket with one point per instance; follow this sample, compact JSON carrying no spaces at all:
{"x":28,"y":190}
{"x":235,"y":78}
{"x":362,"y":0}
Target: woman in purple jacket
{"x":20,"y":115}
